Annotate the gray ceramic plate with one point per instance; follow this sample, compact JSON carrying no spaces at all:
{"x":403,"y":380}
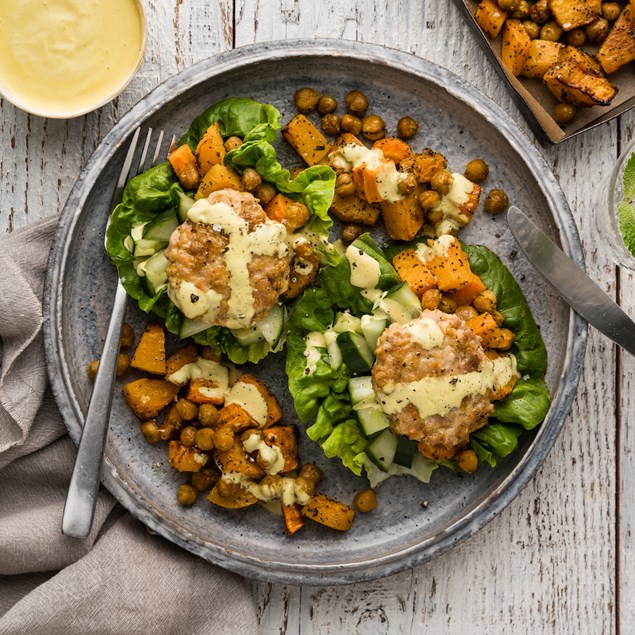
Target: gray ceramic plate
{"x":455,"y":119}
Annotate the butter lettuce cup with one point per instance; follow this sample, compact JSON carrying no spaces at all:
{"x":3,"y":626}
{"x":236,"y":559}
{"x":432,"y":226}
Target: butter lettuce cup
{"x":63,"y":59}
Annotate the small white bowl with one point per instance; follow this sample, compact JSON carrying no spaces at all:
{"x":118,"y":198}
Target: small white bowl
{"x":24,"y":103}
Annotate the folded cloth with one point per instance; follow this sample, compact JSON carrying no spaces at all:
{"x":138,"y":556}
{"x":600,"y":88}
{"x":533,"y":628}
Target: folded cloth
{"x":120,"y":579}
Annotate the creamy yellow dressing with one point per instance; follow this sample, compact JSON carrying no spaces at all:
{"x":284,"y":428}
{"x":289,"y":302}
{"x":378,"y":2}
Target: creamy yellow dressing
{"x":437,"y":249}
{"x":438,"y":395}
{"x":271,"y":457}
{"x":286,"y":489}
{"x":267,"y":239}
{"x":425,"y":332}
{"x":250,"y":399}
{"x":314,"y":341}
{"x":450,"y":204}
{"x":61,"y":58}
{"x":353,"y":156}
{"x":365,"y":270}
{"x":207,"y":369}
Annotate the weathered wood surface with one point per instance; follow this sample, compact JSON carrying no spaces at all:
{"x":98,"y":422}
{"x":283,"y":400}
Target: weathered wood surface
{"x":560,"y":559}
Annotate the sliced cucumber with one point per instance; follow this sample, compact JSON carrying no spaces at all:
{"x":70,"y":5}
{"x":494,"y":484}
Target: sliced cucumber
{"x":422,"y":468}
{"x":355,"y":352}
{"x":271,"y":325}
{"x":335,"y":354}
{"x":381,"y":450}
{"x":372,"y":419}
{"x":406,"y":449}
{"x":161,"y":227}
{"x":246,"y":337}
{"x":136,"y":231}
{"x":372,"y":327}
{"x":401,"y":304}
{"x":128,"y":243}
{"x":185,"y":202}
{"x":192,"y":327}
{"x":347,"y":322}
{"x":148,"y":247}
{"x":155,"y":270}
{"x":360,"y":389}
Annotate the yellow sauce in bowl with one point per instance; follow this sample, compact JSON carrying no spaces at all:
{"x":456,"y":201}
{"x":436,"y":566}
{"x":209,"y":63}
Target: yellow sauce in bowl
{"x":63,"y":58}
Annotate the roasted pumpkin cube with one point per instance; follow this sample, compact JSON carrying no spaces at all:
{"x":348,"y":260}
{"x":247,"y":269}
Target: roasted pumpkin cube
{"x":203,"y":390}
{"x":515,"y":46}
{"x":485,"y":327}
{"x":218,"y":177}
{"x":573,"y":84}
{"x":367,"y":180}
{"x":292,"y":214}
{"x":450,"y":266}
{"x":178,"y":359}
{"x":403,"y":218}
{"x":618,"y":48}
{"x":242,"y":393}
{"x":239,"y":499}
{"x":237,"y":460}
{"x":285,"y":438}
{"x":353,"y":209}
{"x":210,"y":149}
{"x":412,"y":269}
{"x":171,"y":424}
{"x":306,"y":140}
{"x":329,"y":512}
{"x":541,"y":56}
{"x":235,"y":417}
{"x":292,"y":518}
{"x":185,"y":459}
{"x":490,"y":17}
{"x":394,"y":149}
{"x":465,"y":296}
{"x":304,"y":269}
{"x":571,"y":14}
{"x":183,"y":163}
{"x":149,"y":356}
{"x":147,"y":397}
{"x":425,"y":165}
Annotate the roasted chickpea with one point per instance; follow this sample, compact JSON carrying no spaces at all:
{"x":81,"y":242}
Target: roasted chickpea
{"x":429,"y":199}
{"x":123,"y":363}
{"x":294,"y":171}
{"x":150,"y":431}
{"x":250,"y":179}
{"x":576,"y":37}
{"x":344,"y":184}
{"x":188,"y":436}
{"x":92,"y":369}
{"x":521,"y":11}
{"x":597,"y":31}
{"x":540,"y":12}
{"x":231,"y":143}
{"x":326,"y":104}
{"x":187,"y":409}
{"x":447,"y":305}
{"x":611,"y":11}
{"x":505,"y":339}
{"x":223,"y":438}
{"x":374,"y":127}
{"x":226,"y":487}
{"x":306,"y":485}
{"x":251,"y":432}
{"x":466,"y":312}
{"x":564,"y":113}
{"x":311,"y":472}
{"x":442,"y":181}
{"x":204,"y":479}
{"x":407,"y":184}
{"x":305,"y":99}
{"x":467,"y":461}
{"x":265,"y":192}
{"x":207,"y":415}
{"x":205,"y":439}
{"x":356,"y":103}
{"x":351,"y":123}
{"x":485,"y":301}
{"x":127,"y":336}
{"x":351,"y":232}
{"x":499,"y":317}
{"x":365,"y":501}
{"x":476,"y":170}
{"x":496,"y":202}
{"x":407,"y":127}
{"x":532,"y":28}
{"x":551,"y":31}
{"x":431,"y":299}
{"x":508,"y":5}
{"x":331,"y":123}
{"x":186,"y":495}
{"x":435,"y":216}
{"x":272,"y":483}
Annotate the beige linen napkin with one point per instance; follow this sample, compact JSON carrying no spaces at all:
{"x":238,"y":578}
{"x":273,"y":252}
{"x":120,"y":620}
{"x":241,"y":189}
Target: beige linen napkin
{"x":120,"y":579}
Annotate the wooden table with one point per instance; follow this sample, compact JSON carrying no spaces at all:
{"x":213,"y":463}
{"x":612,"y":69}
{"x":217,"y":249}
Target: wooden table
{"x":560,"y":559}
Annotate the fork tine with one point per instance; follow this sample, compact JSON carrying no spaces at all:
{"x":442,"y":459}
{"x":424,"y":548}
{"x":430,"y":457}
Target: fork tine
{"x":157,"y":149}
{"x":125,"y":169}
{"x":144,"y":153}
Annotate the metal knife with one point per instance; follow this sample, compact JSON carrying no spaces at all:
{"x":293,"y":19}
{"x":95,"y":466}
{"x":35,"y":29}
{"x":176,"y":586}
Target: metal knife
{"x":582,"y":294}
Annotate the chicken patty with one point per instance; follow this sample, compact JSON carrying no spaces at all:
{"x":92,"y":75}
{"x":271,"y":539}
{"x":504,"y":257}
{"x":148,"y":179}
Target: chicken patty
{"x":436,"y":353}
{"x":230,"y":270}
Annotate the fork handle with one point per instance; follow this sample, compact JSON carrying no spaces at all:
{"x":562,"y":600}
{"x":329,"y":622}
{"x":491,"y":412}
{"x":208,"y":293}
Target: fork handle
{"x":79,"y":509}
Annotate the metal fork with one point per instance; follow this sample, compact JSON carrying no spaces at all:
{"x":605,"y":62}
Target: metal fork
{"x":79,"y":509}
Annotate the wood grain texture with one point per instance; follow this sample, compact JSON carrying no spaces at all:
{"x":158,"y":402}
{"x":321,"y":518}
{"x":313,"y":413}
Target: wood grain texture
{"x":561,"y":558}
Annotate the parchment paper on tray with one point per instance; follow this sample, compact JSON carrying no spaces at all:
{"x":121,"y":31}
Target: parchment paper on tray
{"x":536,"y":101}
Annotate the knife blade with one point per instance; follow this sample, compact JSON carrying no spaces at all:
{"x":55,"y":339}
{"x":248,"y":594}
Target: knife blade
{"x":582,"y":294}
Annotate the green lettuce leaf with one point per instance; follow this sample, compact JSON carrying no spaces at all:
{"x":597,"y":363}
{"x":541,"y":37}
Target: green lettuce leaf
{"x":500,"y":438}
{"x":628,"y":178}
{"x":526,"y":405}
{"x":346,"y":442}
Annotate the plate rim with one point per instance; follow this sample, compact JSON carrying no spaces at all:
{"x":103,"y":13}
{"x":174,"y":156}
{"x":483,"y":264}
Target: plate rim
{"x":561,"y":215}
